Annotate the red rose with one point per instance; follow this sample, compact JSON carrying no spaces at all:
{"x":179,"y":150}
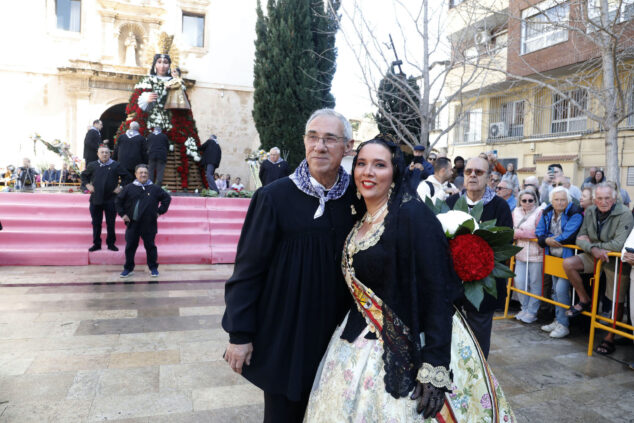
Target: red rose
{"x":473,"y":258}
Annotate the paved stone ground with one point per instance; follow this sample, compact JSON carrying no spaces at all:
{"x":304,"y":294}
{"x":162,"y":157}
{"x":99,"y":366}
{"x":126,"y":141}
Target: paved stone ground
{"x":76,"y":350}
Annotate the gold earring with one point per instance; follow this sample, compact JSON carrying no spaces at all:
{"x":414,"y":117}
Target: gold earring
{"x":389,"y":193}
{"x":358,"y":195}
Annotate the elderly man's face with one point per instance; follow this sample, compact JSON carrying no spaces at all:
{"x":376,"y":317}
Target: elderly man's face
{"x":494,"y":180}
{"x":324,"y":161}
{"x":142,"y":174}
{"x":503,"y":190}
{"x":476,"y":175}
{"x":103,"y":154}
{"x":274,"y":155}
{"x":560,"y":201}
{"x":604,"y":199}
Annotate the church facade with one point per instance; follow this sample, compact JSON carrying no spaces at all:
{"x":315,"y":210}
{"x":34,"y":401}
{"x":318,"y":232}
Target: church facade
{"x":78,"y":60}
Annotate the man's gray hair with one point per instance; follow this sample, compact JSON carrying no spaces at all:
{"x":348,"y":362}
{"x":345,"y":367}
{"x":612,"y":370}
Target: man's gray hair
{"x":134,"y":126}
{"x":559,"y":189}
{"x":347,"y":128}
{"x":495,"y":172}
{"x":274,"y":150}
{"x":606,"y":184}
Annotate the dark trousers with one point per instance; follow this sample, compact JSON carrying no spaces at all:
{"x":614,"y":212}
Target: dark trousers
{"x":279,"y":409}
{"x":96,"y":213}
{"x":209,"y":172}
{"x":146,"y":229}
{"x":481,"y":324}
{"x":156,"y":166}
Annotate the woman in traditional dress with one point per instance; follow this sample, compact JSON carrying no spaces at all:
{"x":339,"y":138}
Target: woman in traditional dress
{"x":159,"y":100}
{"x":394,"y":354}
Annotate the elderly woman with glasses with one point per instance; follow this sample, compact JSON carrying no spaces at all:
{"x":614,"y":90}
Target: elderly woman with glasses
{"x":558,"y":226}
{"x":528,"y":262}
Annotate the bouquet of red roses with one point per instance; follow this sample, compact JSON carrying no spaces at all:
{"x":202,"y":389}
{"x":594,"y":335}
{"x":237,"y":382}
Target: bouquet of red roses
{"x":478,"y":251}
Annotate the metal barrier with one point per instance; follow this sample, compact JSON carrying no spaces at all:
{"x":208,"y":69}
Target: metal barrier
{"x":554,"y":266}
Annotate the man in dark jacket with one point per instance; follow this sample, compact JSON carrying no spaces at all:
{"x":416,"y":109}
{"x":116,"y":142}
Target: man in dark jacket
{"x":92,"y":141}
{"x":131,"y":148}
{"x":101,"y":178}
{"x":476,"y":175}
{"x":211,"y":159}
{"x":274,"y":167}
{"x":158,"y":147}
{"x":140,"y":204}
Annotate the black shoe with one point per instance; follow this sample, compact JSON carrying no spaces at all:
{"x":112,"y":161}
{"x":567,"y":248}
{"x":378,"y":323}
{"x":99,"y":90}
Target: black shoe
{"x":113,"y":247}
{"x":94,"y":248}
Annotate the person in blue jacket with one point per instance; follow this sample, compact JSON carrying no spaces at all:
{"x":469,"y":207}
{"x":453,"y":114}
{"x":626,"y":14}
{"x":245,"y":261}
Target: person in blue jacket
{"x":558,"y":226}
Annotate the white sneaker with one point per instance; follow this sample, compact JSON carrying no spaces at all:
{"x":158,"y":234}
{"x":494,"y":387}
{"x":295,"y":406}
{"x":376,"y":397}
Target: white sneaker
{"x":519,"y":315}
{"x":528,"y":317}
{"x":560,"y":331}
{"x":551,"y":327}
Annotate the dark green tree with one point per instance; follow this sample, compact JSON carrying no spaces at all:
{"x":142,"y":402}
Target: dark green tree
{"x":399,"y":108}
{"x":288,"y":82}
{"x":325,"y":24}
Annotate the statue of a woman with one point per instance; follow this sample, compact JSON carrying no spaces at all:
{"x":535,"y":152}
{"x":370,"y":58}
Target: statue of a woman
{"x":130,"y":50}
{"x":147,"y":107}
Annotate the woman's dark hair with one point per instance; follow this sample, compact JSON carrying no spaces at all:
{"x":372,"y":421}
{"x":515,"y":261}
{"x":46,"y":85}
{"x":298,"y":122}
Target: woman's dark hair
{"x":598,"y":181}
{"x":160,"y":56}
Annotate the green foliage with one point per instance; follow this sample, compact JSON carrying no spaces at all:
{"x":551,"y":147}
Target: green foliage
{"x":474,"y":291}
{"x":293,"y":71}
{"x":208,"y":193}
{"x":399,"y":108}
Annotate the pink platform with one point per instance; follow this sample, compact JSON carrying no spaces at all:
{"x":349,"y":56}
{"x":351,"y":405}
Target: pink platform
{"x":55,"y":229}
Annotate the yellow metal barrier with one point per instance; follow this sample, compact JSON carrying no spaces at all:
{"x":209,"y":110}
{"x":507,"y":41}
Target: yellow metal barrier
{"x":554,"y":266}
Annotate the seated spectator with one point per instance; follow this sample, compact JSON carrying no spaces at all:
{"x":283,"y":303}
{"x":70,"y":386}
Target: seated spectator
{"x":437,"y":186}
{"x":606,"y":226}
{"x":221,"y":183}
{"x":494,"y":179}
{"x":531,"y":181}
{"x":51,"y":175}
{"x":27,"y":176}
{"x":558,"y":226}
{"x":528,"y":262}
{"x":596,"y":179}
{"x":63,"y":177}
{"x":505,"y":190}
{"x":511,"y":176}
{"x":73,"y":176}
{"x":586,"y":198}
{"x":564,"y":181}
{"x":237,"y":185}
{"x":590,"y":178}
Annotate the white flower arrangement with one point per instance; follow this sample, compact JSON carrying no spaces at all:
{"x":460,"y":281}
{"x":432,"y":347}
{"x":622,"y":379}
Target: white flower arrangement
{"x":158,"y":115}
{"x":191,"y":149}
{"x":452,"y":220}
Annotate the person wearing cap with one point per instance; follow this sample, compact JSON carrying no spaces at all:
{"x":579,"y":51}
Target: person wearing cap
{"x":420,"y":169}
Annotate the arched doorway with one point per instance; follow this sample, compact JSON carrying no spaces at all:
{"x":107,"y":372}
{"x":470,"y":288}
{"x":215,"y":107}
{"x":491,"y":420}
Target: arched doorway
{"x":111,"y":120}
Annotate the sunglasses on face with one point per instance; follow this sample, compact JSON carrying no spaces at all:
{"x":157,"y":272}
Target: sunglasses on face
{"x":495,"y":180}
{"x":558,"y":185}
{"x":528,"y":200}
{"x":500,"y":188}
{"x":478,"y":172}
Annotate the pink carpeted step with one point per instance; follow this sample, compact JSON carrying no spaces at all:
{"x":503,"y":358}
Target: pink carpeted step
{"x":223,"y":254}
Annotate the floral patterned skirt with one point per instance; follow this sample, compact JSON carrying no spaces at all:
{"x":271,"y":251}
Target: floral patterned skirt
{"x":349,"y":385}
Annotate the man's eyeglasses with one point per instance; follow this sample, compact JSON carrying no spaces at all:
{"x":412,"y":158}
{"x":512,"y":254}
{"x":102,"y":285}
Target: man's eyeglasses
{"x":495,"y":180}
{"x":499,"y":188}
{"x":528,"y":200}
{"x":329,"y":140}
{"x":558,"y":185}
{"x":478,"y":172}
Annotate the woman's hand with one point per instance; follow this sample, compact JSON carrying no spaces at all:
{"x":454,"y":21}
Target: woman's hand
{"x":430,"y":399}
{"x":152,"y":97}
{"x":551,"y":242}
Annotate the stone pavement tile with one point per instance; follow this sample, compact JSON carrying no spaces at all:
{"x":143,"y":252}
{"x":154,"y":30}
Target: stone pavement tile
{"x":18,"y":316}
{"x":136,"y":406}
{"x":52,"y":344}
{"x":159,"y":312}
{"x":67,"y":411}
{"x":243,"y":414}
{"x":85,"y":385}
{"x":129,"y":381}
{"x":197,"y":352}
{"x":226,"y":396}
{"x":560,"y":410}
{"x":15,"y":364}
{"x":122,"y":288}
{"x":201,"y":311}
{"x":26,"y":388}
{"x":86,"y":315}
{"x":589,"y":366}
{"x":155,"y":341}
{"x":148,"y":324}
{"x":541,"y":374}
{"x":45,"y":363}
{"x":145,"y":358}
{"x":192,"y":293}
{"x":184,"y":377}
{"x":37,"y":330}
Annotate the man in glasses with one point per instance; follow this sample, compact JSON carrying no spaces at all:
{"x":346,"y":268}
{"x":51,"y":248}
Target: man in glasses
{"x":494,"y":179}
{"x":564,"y":181}
{"x":476,"y":174}
{"x":505,"y":191}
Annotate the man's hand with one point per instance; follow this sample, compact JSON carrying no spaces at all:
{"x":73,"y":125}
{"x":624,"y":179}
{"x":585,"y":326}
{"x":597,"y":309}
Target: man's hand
{"x":238,"y":355}
{"x":628,"y":258}
{"x":90,"y":187}
{"x":125,"y":218}
{"x":600,"y":254}
{"x":118,"y":189}
{"x":551,"y":242}
{"x":583,"y":238}
{"x":418,"y":166}
{"x":548,"y":177}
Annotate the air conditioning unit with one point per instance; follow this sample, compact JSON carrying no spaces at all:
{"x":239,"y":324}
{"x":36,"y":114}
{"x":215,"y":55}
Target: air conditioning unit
{"x":497,"y":130}
{"x":482,"y":38}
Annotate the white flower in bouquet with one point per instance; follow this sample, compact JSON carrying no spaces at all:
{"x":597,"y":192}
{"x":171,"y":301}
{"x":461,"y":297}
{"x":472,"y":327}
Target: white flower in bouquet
{"x":452,"y":220}
{"x":197,"y":159}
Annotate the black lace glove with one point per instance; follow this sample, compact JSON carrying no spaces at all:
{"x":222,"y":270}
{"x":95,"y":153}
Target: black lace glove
{"x":430,"y":399}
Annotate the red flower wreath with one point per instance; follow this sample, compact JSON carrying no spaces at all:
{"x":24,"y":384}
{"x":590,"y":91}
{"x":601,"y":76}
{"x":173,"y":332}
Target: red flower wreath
{"x":472,"y":257}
